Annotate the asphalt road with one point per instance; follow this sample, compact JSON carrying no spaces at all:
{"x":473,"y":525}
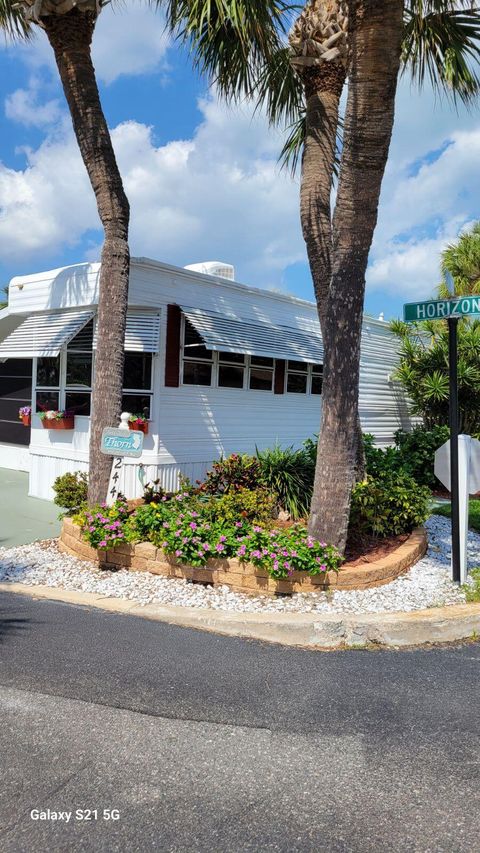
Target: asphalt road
{"x":206,"y":743}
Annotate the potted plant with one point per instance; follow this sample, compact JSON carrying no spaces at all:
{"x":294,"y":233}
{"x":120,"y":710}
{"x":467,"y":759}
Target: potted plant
{"x":54,"y":419}
{"x":25,"y":415}
{"x":138,"y":423}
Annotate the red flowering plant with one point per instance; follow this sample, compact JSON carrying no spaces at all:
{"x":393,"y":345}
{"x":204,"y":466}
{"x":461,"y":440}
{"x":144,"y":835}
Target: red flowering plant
{"x":139,"y":420}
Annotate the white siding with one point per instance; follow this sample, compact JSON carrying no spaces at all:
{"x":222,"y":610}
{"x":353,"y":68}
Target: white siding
{"x":192,"y":425}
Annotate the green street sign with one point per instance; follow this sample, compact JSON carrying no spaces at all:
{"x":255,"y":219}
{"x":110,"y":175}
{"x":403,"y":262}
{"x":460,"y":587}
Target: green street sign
{"x":441,"y":309}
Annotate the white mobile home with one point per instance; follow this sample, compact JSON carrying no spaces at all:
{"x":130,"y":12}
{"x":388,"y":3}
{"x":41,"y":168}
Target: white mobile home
{"x":218,"y":367}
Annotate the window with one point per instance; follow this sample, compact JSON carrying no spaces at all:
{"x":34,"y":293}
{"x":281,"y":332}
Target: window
{"x":78,"y":372}
{"x":137,"y":383}
{"x":197,"y":360}
{"x":317,"y":378}
{"x":231,"y":370}
{"x":261,"y":373}
{"x":47,"y":393}
{"x":297,"y":375}
{"x":304,"y":378}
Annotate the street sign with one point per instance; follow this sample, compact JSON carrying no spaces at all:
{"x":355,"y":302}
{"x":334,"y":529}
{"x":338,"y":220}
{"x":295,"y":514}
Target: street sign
{"x":121,"y":442}
{"x":469,"y":454}
{"x":441,"y":309}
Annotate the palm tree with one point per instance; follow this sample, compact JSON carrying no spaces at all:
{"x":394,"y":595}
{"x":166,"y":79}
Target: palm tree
{"x":376,"y":35}
{"x":438,"y":38}
{"x":69,"y":26}
{"x":461,"y":266}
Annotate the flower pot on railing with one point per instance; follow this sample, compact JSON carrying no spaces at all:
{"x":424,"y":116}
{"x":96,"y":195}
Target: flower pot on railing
{"x":139,"y":425}
{"x":57,"y":420}
{"x":25,"y":415}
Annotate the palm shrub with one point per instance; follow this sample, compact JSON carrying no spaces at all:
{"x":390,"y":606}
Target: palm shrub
{"x":288,"y":473}
{"x":423,"y":370}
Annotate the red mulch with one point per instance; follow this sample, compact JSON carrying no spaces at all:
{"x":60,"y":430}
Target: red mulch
{"x":369,"y":549}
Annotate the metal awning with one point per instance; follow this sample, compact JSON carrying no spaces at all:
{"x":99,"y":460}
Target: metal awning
{"x":142,"y":332}
{"x":225,"y":334}
{"x":44,"y":334}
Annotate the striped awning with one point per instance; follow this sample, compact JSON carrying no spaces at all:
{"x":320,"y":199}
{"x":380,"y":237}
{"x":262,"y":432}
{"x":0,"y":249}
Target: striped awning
{"x":44,"y":334}
{"x":225,"y":334}
{"x":142,"y":332}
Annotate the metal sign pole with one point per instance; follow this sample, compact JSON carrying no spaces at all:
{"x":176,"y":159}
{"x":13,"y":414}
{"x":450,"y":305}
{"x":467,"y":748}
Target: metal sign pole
{"x":453,"y":418}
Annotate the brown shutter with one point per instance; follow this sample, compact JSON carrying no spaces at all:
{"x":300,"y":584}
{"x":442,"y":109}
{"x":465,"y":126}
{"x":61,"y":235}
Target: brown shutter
{"x":172,"y":350}
{"x":279,"y":378}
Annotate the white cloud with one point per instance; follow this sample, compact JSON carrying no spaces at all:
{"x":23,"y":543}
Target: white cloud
{"x":24,"y":106}
{"x":430,"y":192}
{"x":128,"y":40}
{"x":218,"y":195}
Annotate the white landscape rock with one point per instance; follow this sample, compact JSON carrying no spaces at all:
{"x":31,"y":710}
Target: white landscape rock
{"x":427,"y":584}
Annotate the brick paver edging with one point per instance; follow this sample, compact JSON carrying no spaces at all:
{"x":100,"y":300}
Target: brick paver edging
{"x":244,"y":577}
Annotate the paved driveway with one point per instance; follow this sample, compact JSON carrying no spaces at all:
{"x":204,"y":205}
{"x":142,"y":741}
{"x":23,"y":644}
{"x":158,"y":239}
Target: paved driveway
{"x":23,"y":519}
{"x":208,"y":744}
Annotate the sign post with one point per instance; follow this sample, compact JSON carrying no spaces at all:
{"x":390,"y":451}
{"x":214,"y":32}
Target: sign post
{"x":450,"y":310}
{"x":453,"y":421}
{"x":120,"y":442}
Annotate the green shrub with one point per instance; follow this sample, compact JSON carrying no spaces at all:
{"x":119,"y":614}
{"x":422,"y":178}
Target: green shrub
{"x":288,"y":474}
{"x":254,"y":505}
{"x":388,"y":505}
{"x":235,"y":472}
{"x":71,"y":491}
{"x":417,"y":449}
{"x":103,"y":526}
{"x":378,"y":461}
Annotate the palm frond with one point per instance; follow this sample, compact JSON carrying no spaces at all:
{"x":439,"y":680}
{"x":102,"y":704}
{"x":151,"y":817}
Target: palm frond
{"x":229,"y":39}
{"x":442,"y":44}
{"x":12,"y":21}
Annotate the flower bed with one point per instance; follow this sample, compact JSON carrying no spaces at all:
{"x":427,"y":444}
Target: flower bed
{"x":243,"y":576}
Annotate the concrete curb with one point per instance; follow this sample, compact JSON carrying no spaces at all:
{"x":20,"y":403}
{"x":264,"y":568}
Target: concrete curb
{"x":308,"y":630}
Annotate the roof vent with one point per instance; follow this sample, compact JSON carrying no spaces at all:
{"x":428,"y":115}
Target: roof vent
{"x":214,"y":268}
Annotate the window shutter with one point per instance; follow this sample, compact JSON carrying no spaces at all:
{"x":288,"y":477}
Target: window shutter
{"x":279,"y":380}
{"x":172,"y":350}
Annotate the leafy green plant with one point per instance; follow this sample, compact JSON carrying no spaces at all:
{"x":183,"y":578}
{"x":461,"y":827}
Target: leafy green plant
{"x":254,"y":505}
{"x":388,"y":505}
{"x":288,"y":474}
{"x":237,"y":471}
{"x":417,"y":449}
{"x":71,"y":491}
{"x":103,"y":526}
{"x":192,"y":538}
{"x":472,"y":590}
{"x":378,"y":461}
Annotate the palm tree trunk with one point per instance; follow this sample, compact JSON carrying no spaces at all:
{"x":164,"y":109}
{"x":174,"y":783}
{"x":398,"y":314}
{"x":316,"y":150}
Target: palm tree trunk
{"x":375,"y":42}
{"x":70,"y":36}
{"x":323,"y":89}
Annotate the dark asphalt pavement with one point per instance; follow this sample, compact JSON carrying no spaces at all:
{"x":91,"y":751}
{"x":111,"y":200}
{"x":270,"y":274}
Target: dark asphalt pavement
{"x":207,"y":743}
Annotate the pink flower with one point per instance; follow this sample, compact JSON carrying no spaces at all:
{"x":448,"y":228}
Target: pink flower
{"x":193,"y":525}
{"x":220,"y":547}
{"x":178,"y":552}
{"x":223,"y":539}
{"x":102,"y":544}
{"x":164,"y":544}
{"x":257,"y":529}
{"x":239,"y":524}
{"x":91,"y":529}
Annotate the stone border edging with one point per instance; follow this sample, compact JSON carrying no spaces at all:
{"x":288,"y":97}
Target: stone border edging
{"x":307,"y":630}
{"x":245,"y":577}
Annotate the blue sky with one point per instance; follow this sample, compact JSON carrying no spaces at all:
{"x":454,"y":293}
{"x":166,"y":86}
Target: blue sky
{"x":203,"y":180}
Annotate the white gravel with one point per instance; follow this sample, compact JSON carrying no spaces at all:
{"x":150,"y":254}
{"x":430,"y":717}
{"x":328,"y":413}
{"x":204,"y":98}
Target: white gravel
{"x":427,"y":584}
